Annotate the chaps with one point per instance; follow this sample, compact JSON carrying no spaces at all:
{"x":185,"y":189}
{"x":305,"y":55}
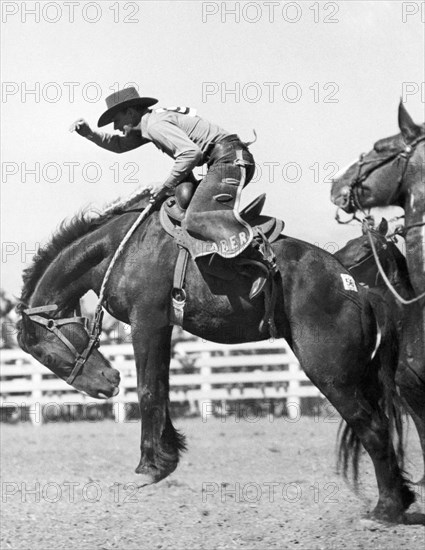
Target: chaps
{"x":213,"y":214}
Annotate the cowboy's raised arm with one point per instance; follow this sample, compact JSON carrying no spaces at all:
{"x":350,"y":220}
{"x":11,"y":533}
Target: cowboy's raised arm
{"x":111,"y":142}
{"x":170,"y":139}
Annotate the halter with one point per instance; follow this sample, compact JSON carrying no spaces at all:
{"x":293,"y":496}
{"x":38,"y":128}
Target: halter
{"x":405,"y":154}
{"x":54,"y":326}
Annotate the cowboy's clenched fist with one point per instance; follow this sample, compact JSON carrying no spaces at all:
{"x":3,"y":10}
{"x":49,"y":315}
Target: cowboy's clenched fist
{"x":81,"y":127}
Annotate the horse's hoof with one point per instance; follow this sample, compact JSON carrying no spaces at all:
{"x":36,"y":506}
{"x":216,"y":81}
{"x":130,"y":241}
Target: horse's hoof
{"x":380,"y":516}
{"x":147,"y":475}
{"x":151,"y":474}
{"x":144,"y":478}
{"x":415,"y":518}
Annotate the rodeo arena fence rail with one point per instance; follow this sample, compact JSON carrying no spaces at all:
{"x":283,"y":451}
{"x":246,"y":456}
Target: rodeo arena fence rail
{"x":206,"y":379}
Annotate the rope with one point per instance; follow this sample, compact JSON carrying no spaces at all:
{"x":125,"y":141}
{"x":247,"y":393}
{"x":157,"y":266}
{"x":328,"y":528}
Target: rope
{"x":118,"y":251}
{"x":97,"y":325}
{"x":123,"y":203}
{"x":385,"y":278}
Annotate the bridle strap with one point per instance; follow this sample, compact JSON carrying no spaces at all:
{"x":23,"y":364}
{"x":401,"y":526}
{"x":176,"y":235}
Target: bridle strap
{"x":358,"y":180}
{"x":53,"y":325}
{"x":93,"y":343}
{"x":361,"y":262}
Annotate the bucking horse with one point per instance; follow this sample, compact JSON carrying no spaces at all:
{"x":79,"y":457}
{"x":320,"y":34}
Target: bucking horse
{"x":318,"y":308}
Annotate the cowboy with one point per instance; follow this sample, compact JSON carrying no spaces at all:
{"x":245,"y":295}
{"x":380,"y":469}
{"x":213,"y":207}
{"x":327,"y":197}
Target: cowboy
{"x":212,"y":215}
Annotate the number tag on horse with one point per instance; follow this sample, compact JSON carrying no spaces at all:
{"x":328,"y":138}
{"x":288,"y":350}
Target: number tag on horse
{"x":348,"y":282}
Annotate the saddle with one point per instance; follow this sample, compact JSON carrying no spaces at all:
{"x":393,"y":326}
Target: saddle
{"x":172,"y":215}
{"x":266,"y":228}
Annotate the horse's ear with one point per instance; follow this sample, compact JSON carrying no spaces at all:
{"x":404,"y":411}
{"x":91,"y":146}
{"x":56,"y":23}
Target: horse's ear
{"x":408,"y":128}
{"x":383,"y":227}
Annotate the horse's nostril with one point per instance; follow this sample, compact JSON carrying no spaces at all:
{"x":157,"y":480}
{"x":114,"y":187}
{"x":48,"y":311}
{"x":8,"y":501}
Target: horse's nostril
{"x":112,"y":375}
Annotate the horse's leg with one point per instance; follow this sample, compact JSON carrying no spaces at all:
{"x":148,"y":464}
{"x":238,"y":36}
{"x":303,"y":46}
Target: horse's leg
{"x":372,"y":428}
{"x":410,"y":375}
{"x":160,"y":442}
{"x":413,"y":394}
{"x":340,"y":374}
{"x":420,"y":427}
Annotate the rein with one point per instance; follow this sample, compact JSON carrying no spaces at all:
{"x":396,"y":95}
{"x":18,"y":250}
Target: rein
{"x":361,"y":262}
{"x":53,"y":325}
{"x":384,"y":275}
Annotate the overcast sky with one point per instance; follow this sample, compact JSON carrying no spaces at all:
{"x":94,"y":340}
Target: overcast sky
{"x":319,"y":81}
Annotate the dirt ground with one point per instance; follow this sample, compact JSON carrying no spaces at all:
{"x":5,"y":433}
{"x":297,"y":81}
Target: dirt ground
{"x":262,"y":484}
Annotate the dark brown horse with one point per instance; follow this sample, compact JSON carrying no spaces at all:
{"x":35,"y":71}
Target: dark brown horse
{"x":392,"y":173}
{"x":393,"y":317}
{"x":327,"y":321}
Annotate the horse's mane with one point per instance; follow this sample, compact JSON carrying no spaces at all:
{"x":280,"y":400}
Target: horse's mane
{"x":69,"y":231}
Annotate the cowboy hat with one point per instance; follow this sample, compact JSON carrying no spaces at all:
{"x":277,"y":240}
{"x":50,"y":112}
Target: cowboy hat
{"x":121,"y":100}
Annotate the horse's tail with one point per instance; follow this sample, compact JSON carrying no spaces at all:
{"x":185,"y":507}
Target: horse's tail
{"x":382,"y":395}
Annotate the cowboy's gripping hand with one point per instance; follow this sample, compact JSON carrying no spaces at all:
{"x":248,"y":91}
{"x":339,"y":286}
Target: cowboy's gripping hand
{"x":159,"y":193}
{"x":81,"y":127}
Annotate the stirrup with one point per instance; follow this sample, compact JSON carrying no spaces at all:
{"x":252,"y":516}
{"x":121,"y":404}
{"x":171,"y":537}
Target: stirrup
{"x":265,"y":270}
{"x":263,"y":247}
{"x":257,"y":286}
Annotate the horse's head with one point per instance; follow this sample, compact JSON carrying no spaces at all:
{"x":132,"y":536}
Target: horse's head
{"x":357,"y":255}
{"x":59,"y":343}
{"x":379,"y":177}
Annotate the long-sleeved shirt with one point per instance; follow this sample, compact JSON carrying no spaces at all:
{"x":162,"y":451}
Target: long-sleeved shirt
{"x":185,"y":138}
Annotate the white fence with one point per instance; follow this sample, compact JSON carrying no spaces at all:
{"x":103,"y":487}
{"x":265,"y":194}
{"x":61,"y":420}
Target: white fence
{"x":202,"y":374}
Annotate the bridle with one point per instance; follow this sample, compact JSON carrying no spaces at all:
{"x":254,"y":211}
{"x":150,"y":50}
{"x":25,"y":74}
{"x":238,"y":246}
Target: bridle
{"x":54,"y":326}
{"x":358,"y":180}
